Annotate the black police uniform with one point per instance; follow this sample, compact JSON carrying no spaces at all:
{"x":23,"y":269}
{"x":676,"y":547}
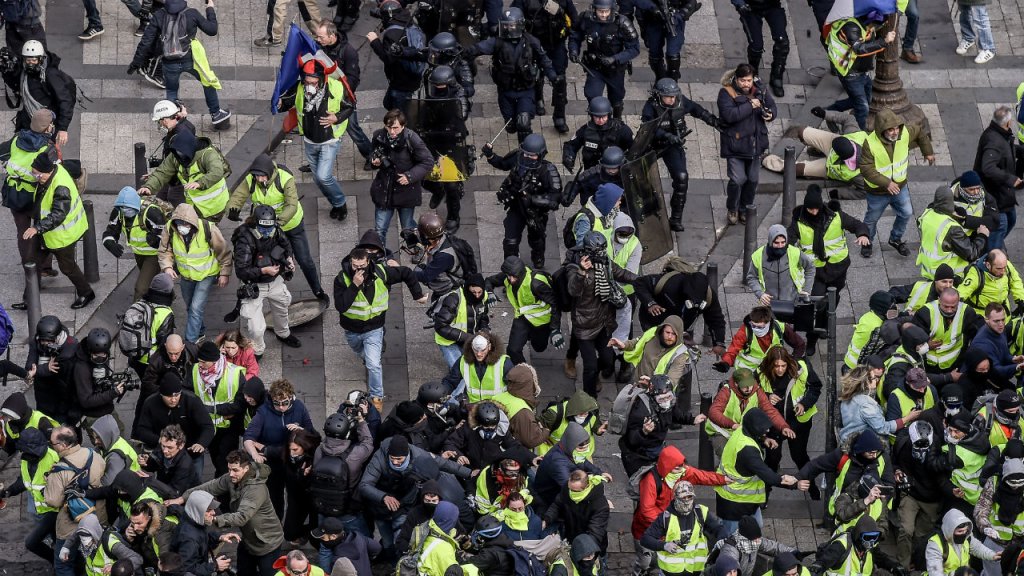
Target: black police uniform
{"x":610,"y":46}
{"x":593,"y":140}
{"x":450,"y":192}
{"x":553,"y":32}
{"x":451,"y":56}
{"x":591,"y":179}
{"x":528,"y":193}
{"x":400,"y":40}
{"x":662,"y":25}
{"x":436,"y":16}
{"x":753,"y":15}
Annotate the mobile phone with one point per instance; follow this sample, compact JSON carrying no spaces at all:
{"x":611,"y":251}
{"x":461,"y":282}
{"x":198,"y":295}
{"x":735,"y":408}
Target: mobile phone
{"x":886,"y":490}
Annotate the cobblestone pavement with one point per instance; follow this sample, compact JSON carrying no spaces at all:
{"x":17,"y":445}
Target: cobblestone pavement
{"x":956,"y":95}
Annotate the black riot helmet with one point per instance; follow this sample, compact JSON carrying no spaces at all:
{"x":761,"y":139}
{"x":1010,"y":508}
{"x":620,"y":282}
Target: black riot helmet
{"x":97,"y":345}
{"x":511,"y":24}
{"x":433,"y":392}
{"x":440,"y":80}
{"x":487,"y":414}
{"x":388,"y":10}
{"x":604,"y":5}
{"x":612,"y":159}
{"x":536,"y":147}
{"x":48,"y":331}
{"x":337,"y":426}
{"x":443,"y":48}
{"x":599,"y":106}
{"x":487,"y":528}
{"x":667,"y":88}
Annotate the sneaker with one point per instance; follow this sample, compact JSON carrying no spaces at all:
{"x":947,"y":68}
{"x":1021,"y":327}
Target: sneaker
{"x":339,"y":212}
{"x":733,"y":217}
{"x":378,"y":403}
{"x":865,"y":251}
{"x":291,"y":341}
{"x":151,"y":77}
{"x":900,"y":246}
{"x":984,"y":56}
{"x":221,"y":116}
{"x":963,"y":47}
{"x":90,"y":33}
{"x":266,"y":42}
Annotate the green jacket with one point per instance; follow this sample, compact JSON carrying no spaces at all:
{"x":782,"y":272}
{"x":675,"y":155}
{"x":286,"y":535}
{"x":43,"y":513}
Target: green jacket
{"x":210,"y":162}
{"x":884,"y":120}
{"x":250,"y":509}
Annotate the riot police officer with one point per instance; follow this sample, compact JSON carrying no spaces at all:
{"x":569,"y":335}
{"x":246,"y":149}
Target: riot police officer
{"x":442,"y":85}
{"x":516,"y":57}
{"x":448,"y":16}
{"x":597,"y":135}
{"x":663,"y":28}
{"x":531,"y":190}
{"x":753,"y":14}
{"x":444,"y":50}
{"x":670,"y":107}
{"x":549,"y":21}
{"x":587,"y":182}
{"x":611,"y":43}
{"x":399,"y":39}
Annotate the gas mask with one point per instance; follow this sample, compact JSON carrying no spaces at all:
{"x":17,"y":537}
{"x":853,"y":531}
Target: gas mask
{"x":265,"y":231}
{"x":760,"y":331}
{"x":868,"y":540}
{"x":919,"y":451}
{"x":665,"y":400}
{"x":183,"y":229}
{"x":486,"y":433}
{"x":510,"y":468}
{"x":952,"y":408}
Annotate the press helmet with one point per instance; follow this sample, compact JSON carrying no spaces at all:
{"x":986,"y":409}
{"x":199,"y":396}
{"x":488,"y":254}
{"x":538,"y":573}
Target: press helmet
{"x":487,"y":414}
{"x":432,"y":392}
{"x":97,"y":345}
{"x":595,"y":243}
{"x":337,"y":426}
{"x":264,"y":215}
{"x":48,"y":329}
{"x":164,"y":109}
{"x":33,"y":49}
{"x":430,"y":226}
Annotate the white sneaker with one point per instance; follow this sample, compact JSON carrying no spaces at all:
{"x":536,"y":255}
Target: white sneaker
{"x":984,"y":56}
{"x":963,"y":47}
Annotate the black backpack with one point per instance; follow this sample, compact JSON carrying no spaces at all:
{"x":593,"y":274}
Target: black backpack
{"x":329,"y":484}
{"x":568,"y":236}
{"x":560,"y":286}
{"x":465,"y":254}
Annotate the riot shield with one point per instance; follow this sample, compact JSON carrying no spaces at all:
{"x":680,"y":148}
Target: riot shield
{"x":439,"y":123}
{"x":644,"y":202}
{"x":643,"y":142}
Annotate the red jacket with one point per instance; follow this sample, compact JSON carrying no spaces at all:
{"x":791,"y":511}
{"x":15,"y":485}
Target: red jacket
{"x":652,"y":501}
{"x":739,"y":340}
{"x":717,"y":411}
{"x":246,"y":358}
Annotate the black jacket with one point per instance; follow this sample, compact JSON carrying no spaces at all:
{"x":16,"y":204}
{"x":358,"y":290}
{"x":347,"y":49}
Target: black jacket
{"x":177,"y":473}
{"x":534,"y":191}
{"x":654,"y":537}
{"x":744,"y":132}
{"x":640,"y":449}
{"x":55,"y":393}
{"x":194,"y":543}
{"x":466,"y":441}
{"x":346,"y":57}
{"x":926,"y":476}
{"x":93,"y":401}
{"x":407,"y":154}
{"x":831,"y":270}
{"x":191,"y":414}
{"x":541,"y":291}
{"x":51,"y":87}
{"x":679,"y":289}
{"x":151,"y":44}
{"x":594,"y":140}
{"x":159,"y":365}
{"x":587,"y":517}
{"x":345,"y":296}
{"x":477,"y":318}
{"x":252,"y":253}
{"x":494,"y":558}
{"x":994,"y":162}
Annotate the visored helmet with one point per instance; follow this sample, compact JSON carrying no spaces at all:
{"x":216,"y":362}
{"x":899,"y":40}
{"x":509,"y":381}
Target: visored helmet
{"x":97,"y":344}
{"x":613,"y":158}
{"x":511,"y":24}
{"x":443,"y":48}
{"x":665,"y":88}
{"x":599,"y":106}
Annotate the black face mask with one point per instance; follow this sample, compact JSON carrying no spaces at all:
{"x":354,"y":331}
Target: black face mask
{"x":775,"y":253}
{"x":430,"y":507}
{"x":587,"y":566}
{"x":960,"y":538}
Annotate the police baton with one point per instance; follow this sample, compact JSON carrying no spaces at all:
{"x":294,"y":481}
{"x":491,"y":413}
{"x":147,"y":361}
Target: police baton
{"x":495,"y":139}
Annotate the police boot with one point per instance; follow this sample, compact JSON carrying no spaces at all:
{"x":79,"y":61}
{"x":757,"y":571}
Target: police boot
{"x":559,"y":97}
{"x":537,"y":257}
{"x":625,"y":373}
{"x":658,"y":67}
{"x":510,"y":247}
{"x":673,"y":67}
{"x":754,"y":59}
{"x":775,"y":81}
{"x":538,"y":94}
{"x":436,"y":195}
{"x":617,"y":110}
{"x":679,"y":190}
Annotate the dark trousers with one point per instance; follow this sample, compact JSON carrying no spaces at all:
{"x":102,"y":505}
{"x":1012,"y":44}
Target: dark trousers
{"x":22,"y":222}
{"x":521,"y":333}
{"x":512,"y":102}
{"x":614,"y":80}
{"x":68,"y":266}
{"x":224,"y":441}
{"x":744,"y":174}
{"x":18,"y":34}
{"x":597,"y":357}
{"x":396,"y":98}
{"x":148,"y":267}
{"x":797,"y":446}
{"x":275,"y":482}
{"x":753,"y":27}
{"x":858,"y":96}
{"x":45,"y":525}
{"x":301,"y":515}
{"x":253,"y":565}
{"x":515,"y":221}
{"x":820,"y":288}
{"x":660,"y":43}
{"x":452,"y":192}
{"x":300,"y":247}
{"x":92,"y":14}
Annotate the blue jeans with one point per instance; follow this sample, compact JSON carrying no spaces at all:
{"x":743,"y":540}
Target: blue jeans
{"x":1007,"y":220}
{"x":370,"y":346}
{"x":974,"y":25}
{"x":731,"y":526}
{"x":900,"y":204}
{"x":92,"y":14}
{"x":382,"y":220}
{"x":355,"y":132}
{"x":61,"y":568}
{"x":173,"y":69}
{"x":913,"y":20}
{"x":388,"y":527}
{"x":451,"y":354}
{"x":858,"y":97}
{"x":195,"y":295}
{"x":300,"y":247}
{"x":321,"y":161}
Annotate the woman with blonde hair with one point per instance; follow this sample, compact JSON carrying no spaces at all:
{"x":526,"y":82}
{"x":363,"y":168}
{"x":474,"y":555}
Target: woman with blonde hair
{"x":237,"y":350}
{"x":859,"y":409}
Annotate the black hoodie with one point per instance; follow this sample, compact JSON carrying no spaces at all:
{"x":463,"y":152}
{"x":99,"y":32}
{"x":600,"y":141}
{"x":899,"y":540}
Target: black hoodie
{"x":190,"y":414}
{"x":750,"y":462}
{"x":494,"y":558}
{"x":151,"y":44}
{"x":831,"y":271}
{"x":910,"y":339}
{"x":677,"y":290}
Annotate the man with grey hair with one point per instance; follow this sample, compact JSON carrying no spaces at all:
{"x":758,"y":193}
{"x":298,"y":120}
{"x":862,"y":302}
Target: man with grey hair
{"x":996,"y":164}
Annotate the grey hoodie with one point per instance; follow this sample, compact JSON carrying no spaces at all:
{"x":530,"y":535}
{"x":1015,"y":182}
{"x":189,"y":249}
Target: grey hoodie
{"x":933,"y":556}
{"x":777,"y":280}
{"x":622,"y":220}
{"x":356,"y":459}
{"x":573,"y":436}
{"x":196,"y":506}
{"x":90,"y":526}
{"x":106,"y":428}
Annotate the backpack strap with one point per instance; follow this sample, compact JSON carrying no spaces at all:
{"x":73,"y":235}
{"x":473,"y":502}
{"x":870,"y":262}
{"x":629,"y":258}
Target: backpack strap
{"x":664,"y":280}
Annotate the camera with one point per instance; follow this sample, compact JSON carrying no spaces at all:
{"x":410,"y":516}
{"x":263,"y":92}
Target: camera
{"x":154,"y":161}
{"x":8,"y":62}
{"x":127,"y":378}
{"x":385,"y":162}
{"x":247,"y":291}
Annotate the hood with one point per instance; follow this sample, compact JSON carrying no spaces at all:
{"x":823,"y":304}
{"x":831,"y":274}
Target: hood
{"x":725,"y":564}
{"x":264,"y":165}
{"x":186,"y":213}
{"x":16,"y":406}
{"x":130,"y":483}
{"x":669,"y":458}
{"x":196,"y":506}
{"x":573,"y":436}
{"x":951,"y":520}
{"x":582,"y":546}
{"x":943,"y":201}
{"x":128,"y":198}
{"x":371,"y":239}
{"x":30,"y":141}
{"x":606,"y":197}
{"x":776,"y":230}
{"x":885,"y":119}
{"x":971,"y":358}
{"x":676,"y":323}
{"x":622,"y":220}
{"x":522,"y":383}
{"x":579,"y":403}
{"x":865,"y":524}
{"x":257,"y":474}
{"x":106,"y":428}
{"x":255,"y":388}
{"x":728,"y":76}
{"x":90,"y":525}
{"x":33,"y":442}
{"x":756,"y":423}
{"x":185,"y":144}
{"x":912,"y":337}
{"x":335,"y":446}
{"x":175,"y":6}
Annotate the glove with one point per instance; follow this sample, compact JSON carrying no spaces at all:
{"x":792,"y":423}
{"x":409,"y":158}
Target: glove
{"x":487,"y":150}
{"x":568,"y":161}
{"x":552,"y":7}
{"x":132,"y":69}
{"x":672,"y":547}
{"x":553,"y":78}
{"x":720,"y":367}
{"x":743,"y":8}
{"x":991,"y":533}
{"x":574,"y":57}
{"x":557,"y":340}
{"x":235,"y":214}
{"x":65,"y":554}
{"x":717,"y":124}
{"x":818,"y":111}
{"x":492,"y":296}
{"x":674,"y":140}
{"x":608,"y":61}
{"x":113,"y":247}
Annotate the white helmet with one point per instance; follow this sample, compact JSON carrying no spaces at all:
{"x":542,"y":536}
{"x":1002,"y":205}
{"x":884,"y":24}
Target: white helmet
{"x":164,"y":109}
{"x":33,"y":49}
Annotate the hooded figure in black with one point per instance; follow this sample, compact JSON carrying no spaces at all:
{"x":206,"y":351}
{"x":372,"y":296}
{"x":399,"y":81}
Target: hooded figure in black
{"x":910,"y":354}
{"x":491,"y":548}
{"x":975,"y":371}
{"x":430,"y":495}
{"x":477,"y":308}
{"x":750,"y":462}
{"x":54,"y":392}
{"x":408,"y":418}
{"x":862,"y":540}
{"x":685,"y":294}
{"x":125,"y":491}
{"x":38,"y":82}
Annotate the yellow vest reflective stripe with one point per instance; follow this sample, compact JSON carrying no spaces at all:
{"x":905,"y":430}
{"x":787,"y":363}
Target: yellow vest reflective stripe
{"x":836,"y":249}
{"x":900,"y":356}
{"x":907,"y":404}
{"x":19,"y":167}
{"x":992,"y":289}
{"x":693,"y":553}
{"x":336,"y":91}
{"x":803,"y":572}
{"x":484,"y":387}
{"x":598,"y":226}
{"x":196,"y":261}
{"x":74,"y":225}
{"x":362,"y":309}
{"x":919,"y":295}
{"x":852,"y":566}
{"x":744,"y":489}
{"x":135,"y":231}
{"x":752,"y":353}
{"x":1005,"y":533}
{"x":160,"y":314}
{"x":524,"y":303}
{"x":996,"y":435}
{"x":125,"y":449}
{"x":35,"y":417}
{"x":99,"y":560}
{"x":967,"y":477}
{"x":461,"y":321}
{"x":841,"y":481}
{"x":622,"y":257}
{"x":836,"y":168}
{"x":225,"y":392}
{"x":894,"y":168}
{"x":733,"y":412}
{"x":796,"y":389}
{"x":273,"y":196}
{"x":637,"y":353}
{"x":952,"y":561}
{"x":934,"y":227}
{"x":556,"y":434}
{"x":482,"y":501}
{"x":793,"y":255}
{"x":207,"y":201}
{"x":952,"y":338}
{"x":35,"y":483}
{"x":840,"y":53}
{"x":866,"y":326}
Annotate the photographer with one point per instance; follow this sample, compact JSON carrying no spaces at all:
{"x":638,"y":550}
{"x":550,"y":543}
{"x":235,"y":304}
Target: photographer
{"x":263,"y":261}
{"x":52,"y":354}
{"x":338,"y":465}
{"x":402,"y":161}
{"x":917,"y":456}
{"x":38,"y":72}
{"x":744,"y":109}
{"x":172,"y":118}
{"x":97,"y":386}
{"x":531,"y":190}
{"x":438,"y":265}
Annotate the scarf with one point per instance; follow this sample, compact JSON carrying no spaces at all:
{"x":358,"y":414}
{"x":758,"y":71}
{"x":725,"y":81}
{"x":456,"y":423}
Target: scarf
{"x":311,"y":104}
{"x":210,"y":378}
{"x":506,"y":485}
{"x":671,"y":478}
{"x":580,"y":496}
{"x":518,"y":521}
{"x":1010,"y":504}
{"x":28,"y":103}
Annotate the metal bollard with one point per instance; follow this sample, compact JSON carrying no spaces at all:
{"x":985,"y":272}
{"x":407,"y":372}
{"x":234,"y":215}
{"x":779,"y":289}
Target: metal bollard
{"x":32,"y":305}
{"x":749,"y":238}
{"x":141,"y":166}
{"x":705,"y":451}
{"x":831,"y":442}
{"x":92,"y":259}
{"x":712,"y":274}
{"x":788,"y":186}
